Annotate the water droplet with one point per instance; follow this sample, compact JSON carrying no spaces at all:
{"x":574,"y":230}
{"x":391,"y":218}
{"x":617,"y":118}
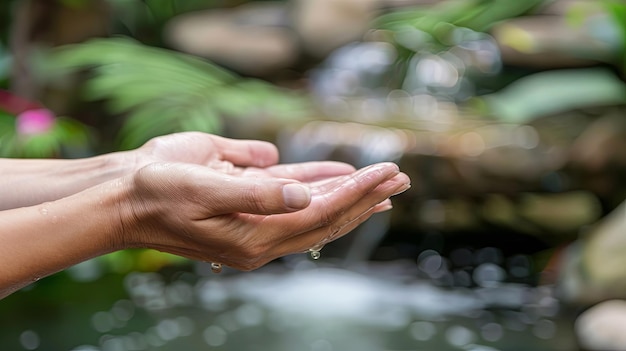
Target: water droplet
{"x":315,"y":254}
{"x":43,"y":211}
{"x":216,"y":267}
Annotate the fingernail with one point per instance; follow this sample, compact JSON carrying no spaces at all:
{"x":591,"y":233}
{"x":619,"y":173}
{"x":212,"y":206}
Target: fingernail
{"x":296,"y":196}
{"x":402,"y":189}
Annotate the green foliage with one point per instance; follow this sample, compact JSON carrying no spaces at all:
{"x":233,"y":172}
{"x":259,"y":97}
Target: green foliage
{"x":5,"y":66}
{"x":65,"y":133}
{"x":440,"y":20}
{"x":145,"y":19}
{"x":617,"y":10}
{"x":551,"y":92}
{"x":163,"y":91}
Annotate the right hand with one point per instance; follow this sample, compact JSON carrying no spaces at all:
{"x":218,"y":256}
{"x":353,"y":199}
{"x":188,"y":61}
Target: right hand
{"x":245,"y":221}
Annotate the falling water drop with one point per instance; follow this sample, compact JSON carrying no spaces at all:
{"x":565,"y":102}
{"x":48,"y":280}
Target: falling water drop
{"x":315,"y":254}
{"x":216,"y":267}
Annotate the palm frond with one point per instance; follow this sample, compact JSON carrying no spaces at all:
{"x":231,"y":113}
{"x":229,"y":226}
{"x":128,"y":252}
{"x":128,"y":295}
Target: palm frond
{"x":164,"y":91}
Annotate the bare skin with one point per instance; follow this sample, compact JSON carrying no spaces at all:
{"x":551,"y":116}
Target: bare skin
{"x":191,"y":194}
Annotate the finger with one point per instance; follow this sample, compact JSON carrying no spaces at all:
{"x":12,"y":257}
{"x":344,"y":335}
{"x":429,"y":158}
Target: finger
{"x":374,"y":200}
{"x":322,"y":236}
{"x":311,"y":171}
{"x":325,"y":186}
{"x":247,"y":153}
{"x":319,"y":237}
{"x":383,"y":206}
{"x":223,"y":195}
{"x":338,"y":198}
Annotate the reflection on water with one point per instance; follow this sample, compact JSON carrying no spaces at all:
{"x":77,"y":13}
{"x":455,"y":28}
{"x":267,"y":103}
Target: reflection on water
{"x":313,"y":305}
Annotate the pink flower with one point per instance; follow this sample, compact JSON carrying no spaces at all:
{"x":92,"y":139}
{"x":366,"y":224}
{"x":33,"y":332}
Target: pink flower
{"x":33,"y":122}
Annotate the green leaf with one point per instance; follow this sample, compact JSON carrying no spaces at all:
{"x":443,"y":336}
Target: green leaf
{"x":163,"y":91}
{"x":71,"y":132}
{"x":617,"y":9}
{"x":203,"y":120}
{"x":39,"y":146}
{"x":551,"y":92}
{"x":147,"y":122}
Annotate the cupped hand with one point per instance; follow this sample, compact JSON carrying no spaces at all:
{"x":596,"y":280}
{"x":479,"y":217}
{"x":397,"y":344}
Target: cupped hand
{"x":231,"y":156}
{"x":245,"y":221}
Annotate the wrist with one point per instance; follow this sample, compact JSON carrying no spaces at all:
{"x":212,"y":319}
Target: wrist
{"x":117,"y":201}
{"x":131,"y":213}
{"x":40,"y":240}
{"x":115,"y":165}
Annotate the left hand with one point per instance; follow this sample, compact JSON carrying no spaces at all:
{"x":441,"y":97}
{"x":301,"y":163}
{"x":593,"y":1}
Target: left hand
{"x":231,"y":156}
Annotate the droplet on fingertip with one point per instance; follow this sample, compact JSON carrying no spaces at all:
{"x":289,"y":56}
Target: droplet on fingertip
{"x":315,"y":254}
{"x":216,"y":267}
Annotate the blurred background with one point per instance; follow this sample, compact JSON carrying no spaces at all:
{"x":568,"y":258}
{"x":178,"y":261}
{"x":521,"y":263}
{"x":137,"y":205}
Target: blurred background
{"x":509,"y":116}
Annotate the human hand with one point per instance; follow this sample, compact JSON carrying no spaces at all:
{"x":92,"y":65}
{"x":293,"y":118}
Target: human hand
{"x":231,"y":156}
{"x":245,"y":221}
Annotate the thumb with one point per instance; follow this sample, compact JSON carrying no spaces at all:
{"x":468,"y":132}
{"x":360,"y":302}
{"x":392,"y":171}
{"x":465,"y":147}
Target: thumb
{"x":259,"y":196}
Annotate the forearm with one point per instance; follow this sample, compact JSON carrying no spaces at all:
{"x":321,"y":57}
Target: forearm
{"x":27,"y":182}
{"x":40,"y":240}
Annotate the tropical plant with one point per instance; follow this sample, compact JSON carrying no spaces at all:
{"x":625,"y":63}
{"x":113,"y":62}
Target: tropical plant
{"x":440,"y":21}
{"x":162,"y":91}
{"x":28,"y":129}
{"x":145,"y":19}
{"x":617,"y":10}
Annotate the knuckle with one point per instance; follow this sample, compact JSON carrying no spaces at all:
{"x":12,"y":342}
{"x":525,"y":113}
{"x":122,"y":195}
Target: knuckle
{"x":330,"y":216}
{"x":250,"y":253}
{"x":256,"y":197}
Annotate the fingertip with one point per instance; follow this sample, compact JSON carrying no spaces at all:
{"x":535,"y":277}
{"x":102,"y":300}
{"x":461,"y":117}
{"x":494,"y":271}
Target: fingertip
{"x":264,"y":153}
{"x":402,"y":188}
{"x":383,"y":206}
{"x":243,"y":152}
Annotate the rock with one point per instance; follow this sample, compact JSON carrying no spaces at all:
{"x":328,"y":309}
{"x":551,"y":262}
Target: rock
{"x":554,"y":42}
{"x":603,"y":255}
{"x":561,"y":213}
{"x":566,"y":7}
{"x":592,"y":269}
{"x":325,"y":25}
{"x":602,"y":145}
{"x":603,"y":327}
{"x":251,"y":39}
